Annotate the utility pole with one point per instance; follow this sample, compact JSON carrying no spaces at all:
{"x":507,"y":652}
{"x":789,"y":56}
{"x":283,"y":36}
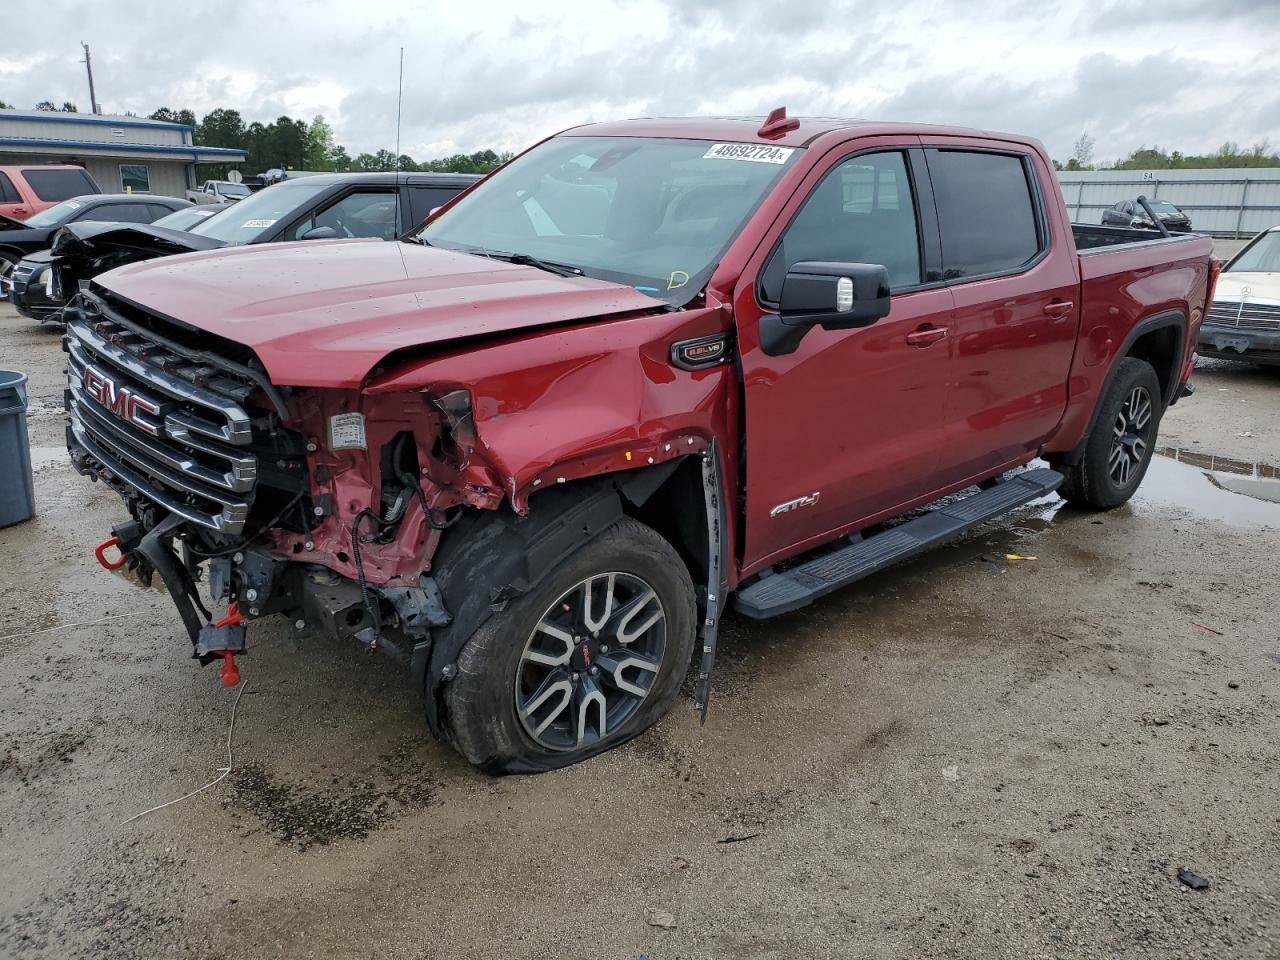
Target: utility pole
{"x":88,"y":66}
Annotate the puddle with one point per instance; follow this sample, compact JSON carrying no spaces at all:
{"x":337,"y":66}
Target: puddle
{"x":1237,"y":492}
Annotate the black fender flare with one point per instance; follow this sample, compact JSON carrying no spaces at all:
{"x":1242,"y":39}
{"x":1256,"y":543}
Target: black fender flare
{"x":1157,"y":321}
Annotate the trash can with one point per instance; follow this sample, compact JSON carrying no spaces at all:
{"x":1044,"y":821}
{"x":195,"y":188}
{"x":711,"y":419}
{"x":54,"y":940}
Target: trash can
{"x":17,"y":491}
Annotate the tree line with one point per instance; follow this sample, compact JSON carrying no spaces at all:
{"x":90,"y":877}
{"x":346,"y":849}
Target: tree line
{"x":290,"y":144}
{"x":1228,"y":156}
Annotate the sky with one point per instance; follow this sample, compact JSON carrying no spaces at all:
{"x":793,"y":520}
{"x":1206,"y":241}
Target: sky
{"x":1181,"y":74}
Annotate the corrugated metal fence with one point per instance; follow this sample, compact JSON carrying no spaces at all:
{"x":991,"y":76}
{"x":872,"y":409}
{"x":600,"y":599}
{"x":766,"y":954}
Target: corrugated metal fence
{"x":1225,"y":203}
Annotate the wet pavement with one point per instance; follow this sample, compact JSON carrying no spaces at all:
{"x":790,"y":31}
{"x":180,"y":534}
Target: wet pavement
{"x":1005,"y":749}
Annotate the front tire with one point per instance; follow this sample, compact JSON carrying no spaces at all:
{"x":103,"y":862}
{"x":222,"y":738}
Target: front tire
{"x":589,"y":658}
{"x":1119,"y":446}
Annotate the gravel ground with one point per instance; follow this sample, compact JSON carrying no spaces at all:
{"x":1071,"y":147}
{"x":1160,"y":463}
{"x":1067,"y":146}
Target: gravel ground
{"x":969,"y":756}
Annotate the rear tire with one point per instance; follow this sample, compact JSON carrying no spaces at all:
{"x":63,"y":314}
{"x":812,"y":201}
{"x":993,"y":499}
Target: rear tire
{"x":527,"y":696}
{"x":1119,"y":446}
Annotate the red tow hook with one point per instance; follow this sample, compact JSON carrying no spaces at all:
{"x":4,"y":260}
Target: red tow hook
{"x":230,"y":672}
{"x":100,"y":551}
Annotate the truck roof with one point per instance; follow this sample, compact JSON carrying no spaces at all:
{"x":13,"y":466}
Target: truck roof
{"x":747,"y":130}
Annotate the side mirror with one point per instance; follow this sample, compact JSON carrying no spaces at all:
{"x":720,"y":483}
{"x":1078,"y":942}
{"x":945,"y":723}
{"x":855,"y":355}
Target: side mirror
{"x":319,"y":233}
{"x":834,"y":296}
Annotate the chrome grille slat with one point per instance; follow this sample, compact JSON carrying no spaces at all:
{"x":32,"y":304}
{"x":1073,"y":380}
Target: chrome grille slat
{"x":176,"y":442}
{"x":230,"y":520}
{"x":237,"y":429}
{"x":238,"y":478}
{"x":1251,"y":315}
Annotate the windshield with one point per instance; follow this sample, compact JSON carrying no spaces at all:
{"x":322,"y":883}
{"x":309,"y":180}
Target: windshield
{"x":57,"y":214}
{"x":1162,"y":207}
{"x":255,"y":218}
{"x":233,"y":190}
{"x":185,"y":219}
{"x":653,"y":213}
{"x":1261,"y":256}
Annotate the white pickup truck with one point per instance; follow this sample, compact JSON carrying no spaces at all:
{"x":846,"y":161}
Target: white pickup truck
{"x":218,"y":191}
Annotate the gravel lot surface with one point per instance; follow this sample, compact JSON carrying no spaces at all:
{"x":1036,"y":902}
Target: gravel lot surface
{"x":965,"y":757}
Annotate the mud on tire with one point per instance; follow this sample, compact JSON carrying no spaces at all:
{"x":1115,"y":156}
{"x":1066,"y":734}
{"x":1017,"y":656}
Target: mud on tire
{"x":536,"y":682}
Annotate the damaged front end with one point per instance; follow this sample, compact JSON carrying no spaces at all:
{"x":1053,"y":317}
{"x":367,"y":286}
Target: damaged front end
{"x":81,"y":251}
{"x":247,"y":499}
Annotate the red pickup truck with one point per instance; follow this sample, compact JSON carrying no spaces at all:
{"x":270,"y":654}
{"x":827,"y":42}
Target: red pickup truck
{"x":644,"y":371}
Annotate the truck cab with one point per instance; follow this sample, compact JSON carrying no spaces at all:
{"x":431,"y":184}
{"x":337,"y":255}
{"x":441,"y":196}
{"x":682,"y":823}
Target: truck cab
{"x":642,"y":373}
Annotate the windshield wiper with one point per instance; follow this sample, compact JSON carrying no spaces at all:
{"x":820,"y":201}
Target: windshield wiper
{"x":528,"y":260}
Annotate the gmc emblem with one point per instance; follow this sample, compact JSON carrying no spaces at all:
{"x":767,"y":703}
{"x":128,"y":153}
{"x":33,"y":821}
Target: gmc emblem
{"x":121,"y":401}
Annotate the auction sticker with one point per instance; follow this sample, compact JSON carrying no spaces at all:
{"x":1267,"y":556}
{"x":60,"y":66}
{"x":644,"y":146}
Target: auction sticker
{"x":755,"y":152}
{"x":256,"y":224}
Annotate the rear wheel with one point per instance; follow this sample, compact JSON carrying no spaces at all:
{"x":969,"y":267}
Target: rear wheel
{"x":588,"y":659}
{"x":1121,"y":442}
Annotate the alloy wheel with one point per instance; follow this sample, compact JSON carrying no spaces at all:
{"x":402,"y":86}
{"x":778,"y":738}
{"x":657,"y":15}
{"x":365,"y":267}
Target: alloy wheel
{"x":1131,"y":436}
{"x":591,"y":661}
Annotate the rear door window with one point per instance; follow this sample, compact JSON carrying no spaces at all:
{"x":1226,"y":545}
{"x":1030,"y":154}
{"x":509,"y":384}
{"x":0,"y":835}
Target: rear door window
{"x":423,"y":200}
{"x":59,"y":184}
{"x":987,"y":213}
{"x":8,"y":192}
{"x":126,"y":212}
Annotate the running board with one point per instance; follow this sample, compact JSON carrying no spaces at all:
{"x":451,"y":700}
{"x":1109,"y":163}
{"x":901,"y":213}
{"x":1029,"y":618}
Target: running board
{"x":800,"y":585}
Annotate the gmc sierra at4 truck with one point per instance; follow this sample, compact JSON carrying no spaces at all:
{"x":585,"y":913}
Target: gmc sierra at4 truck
{"x":645,"y":371}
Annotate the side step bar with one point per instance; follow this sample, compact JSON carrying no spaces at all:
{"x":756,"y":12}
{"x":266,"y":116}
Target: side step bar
{"x":802,"y":584}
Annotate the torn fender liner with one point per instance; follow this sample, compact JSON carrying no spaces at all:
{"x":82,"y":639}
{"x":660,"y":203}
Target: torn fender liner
{"x":717,"y":575}
{"x":489,"y":559}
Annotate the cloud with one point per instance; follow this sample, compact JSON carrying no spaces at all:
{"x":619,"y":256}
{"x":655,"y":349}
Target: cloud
{"x":1182,"y":73}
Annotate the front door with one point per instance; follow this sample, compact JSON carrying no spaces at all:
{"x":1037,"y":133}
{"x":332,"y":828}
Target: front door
{"x":845,"y":428}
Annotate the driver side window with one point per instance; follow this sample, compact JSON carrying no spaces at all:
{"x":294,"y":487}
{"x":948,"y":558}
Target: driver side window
{"x":863,"y":211}
{"x":370,"y":214}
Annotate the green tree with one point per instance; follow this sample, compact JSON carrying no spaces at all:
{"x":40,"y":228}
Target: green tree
{"x":406,"y":162}
{"x":174,"y":116}
{"x":221,"y":128}
{"x":69,"y":107}
{"x":5,"y":106}
{"x":47,"y":105}
{"x":340,"y":158}
{"x":320,"y":145}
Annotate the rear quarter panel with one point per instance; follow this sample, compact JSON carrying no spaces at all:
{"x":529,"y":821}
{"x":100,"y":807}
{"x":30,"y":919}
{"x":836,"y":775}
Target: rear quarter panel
{"x":1121,"y":287}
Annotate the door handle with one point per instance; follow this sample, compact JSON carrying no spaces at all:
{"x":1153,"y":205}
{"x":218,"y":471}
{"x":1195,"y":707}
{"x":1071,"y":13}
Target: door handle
{"x":925,"y":336}
{"x":1058,"y":308}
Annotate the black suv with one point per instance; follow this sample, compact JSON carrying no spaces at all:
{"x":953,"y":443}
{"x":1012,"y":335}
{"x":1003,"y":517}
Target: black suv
{"x":328,"y":205}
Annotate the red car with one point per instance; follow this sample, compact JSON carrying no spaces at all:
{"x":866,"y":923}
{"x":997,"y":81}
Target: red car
{"x":643,"y":372}
{"x":27,"y":189}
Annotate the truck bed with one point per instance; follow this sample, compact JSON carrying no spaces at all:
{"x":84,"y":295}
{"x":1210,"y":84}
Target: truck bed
{"x":1092,"y":236}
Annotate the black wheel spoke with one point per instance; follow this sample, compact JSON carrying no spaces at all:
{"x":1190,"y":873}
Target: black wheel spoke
{"x":591,"y":659}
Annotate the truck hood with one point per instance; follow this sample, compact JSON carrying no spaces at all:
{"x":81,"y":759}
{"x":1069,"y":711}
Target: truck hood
{"x":323,"y":313}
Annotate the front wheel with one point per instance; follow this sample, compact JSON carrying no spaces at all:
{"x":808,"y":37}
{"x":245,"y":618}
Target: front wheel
{"x":588,"y":659}
{"x":1121,"y":441}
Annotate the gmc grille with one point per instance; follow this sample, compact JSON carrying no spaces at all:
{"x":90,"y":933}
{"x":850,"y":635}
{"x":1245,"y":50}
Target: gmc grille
{"x":1246,"y":315}
{"x":172,"y":428}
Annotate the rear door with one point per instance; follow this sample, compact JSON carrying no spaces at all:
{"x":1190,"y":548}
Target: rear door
{"x":844,"y":428}
{"x":11,"y":202}
{"x":1014,"y":284}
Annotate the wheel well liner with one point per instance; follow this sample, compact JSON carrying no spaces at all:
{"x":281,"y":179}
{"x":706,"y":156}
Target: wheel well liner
{"x":489,"y":558}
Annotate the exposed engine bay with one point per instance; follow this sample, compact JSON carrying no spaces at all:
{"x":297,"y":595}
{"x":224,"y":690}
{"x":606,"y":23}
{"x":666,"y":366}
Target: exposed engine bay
{"x":318,"y":505}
